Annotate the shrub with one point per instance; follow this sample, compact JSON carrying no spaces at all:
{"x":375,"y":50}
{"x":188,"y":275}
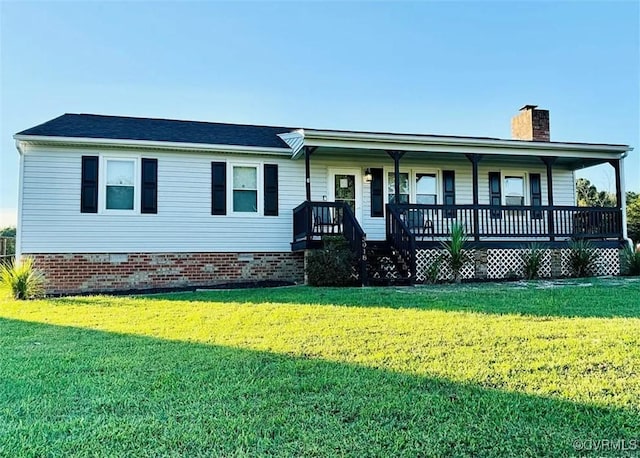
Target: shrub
{"x":631,"y":261}
{"x":532,"y":259}
{"x":432,"y":271}
{"x":455,"y":255}
{"x":582,"y":258}
{"x":333,"y":265}
{"x":23,"y":279}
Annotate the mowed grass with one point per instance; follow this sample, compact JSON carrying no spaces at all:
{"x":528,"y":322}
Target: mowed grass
{"x":488,"y":370}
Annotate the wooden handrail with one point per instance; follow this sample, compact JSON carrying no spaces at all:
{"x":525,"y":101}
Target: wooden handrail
{"x":401,"y":238}
{"x":510,"y":221}
{"x":313,"y":220}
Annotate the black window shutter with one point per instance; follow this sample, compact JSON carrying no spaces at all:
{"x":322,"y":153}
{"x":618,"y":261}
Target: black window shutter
{"x":218,"y":188}
{"x":149,"y":194}
{"x":89,"y":186}
{"x":449,"y":194}
{"x":377,"y":193}
{"x":536,"y":194}
{"x":271,"y":190}
{"x":495,"y":196}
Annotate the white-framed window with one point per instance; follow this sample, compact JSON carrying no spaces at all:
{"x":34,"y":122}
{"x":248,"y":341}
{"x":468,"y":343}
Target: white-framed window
{"x":418,"y":186}
{"x":246,"y":193}
{"x":121,"y":185}
{"x":514,"y":189}
{"x":426,"y":188}
{"x":405,"y":190}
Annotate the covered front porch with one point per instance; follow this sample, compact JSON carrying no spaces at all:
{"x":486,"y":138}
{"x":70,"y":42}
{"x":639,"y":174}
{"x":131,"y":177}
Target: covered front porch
{"x":407,"y":191}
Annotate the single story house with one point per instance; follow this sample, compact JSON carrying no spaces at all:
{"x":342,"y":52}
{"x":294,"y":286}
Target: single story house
{"x":121,"y":203}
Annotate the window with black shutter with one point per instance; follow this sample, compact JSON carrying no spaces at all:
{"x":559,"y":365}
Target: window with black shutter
{"x":149,"y":194}
{"x":536,"y":194}
{"x":495,"y":197}
{"x":271,"y":190}
{"x":218,"y":188}
{"x":89,"y":185}
{"x":449,"y":192}
{"x":377,"y":193}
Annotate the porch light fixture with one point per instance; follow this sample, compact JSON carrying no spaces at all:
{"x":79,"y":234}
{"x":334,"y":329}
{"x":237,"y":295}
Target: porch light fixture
{"x":367,"y":175}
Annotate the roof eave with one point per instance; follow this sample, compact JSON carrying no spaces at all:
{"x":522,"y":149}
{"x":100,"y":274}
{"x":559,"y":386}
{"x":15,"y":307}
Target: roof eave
{"x":77,"y":141}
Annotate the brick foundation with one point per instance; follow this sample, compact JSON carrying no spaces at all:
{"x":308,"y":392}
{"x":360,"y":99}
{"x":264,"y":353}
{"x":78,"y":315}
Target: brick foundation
{"x":89,"y":272}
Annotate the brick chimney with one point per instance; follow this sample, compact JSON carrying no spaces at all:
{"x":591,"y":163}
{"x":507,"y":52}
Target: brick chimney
{"x":531,"y":124}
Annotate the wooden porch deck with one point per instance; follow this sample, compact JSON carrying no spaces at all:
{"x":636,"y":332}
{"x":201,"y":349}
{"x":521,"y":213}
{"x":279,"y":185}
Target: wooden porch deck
{"x":411,"y":227}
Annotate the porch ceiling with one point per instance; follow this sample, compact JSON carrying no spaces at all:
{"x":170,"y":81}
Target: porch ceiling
{"x":378,"y":156}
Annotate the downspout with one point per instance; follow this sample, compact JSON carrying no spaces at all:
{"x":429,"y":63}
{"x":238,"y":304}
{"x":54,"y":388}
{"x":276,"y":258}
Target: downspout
{"x":623,"y":203}
{"x":21,"y":151}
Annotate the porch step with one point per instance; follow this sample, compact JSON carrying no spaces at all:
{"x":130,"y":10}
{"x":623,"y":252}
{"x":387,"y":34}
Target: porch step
{"x":384,"y":266}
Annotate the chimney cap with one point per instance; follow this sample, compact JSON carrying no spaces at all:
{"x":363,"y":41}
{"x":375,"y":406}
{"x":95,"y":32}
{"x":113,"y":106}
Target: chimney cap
{"x":528,"y":107}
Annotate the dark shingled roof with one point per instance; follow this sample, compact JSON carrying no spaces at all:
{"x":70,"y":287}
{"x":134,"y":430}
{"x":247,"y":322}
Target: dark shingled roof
{"x":164,"y":130}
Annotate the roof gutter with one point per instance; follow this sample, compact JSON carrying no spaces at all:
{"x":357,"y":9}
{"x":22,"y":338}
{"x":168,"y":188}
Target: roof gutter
{"x":38,"y":139}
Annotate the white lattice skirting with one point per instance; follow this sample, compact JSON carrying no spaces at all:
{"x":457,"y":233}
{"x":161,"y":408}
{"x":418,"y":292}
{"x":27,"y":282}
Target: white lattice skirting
{"x":506,"y":263}
{"x":426,"y":258}
{"x":607,"y":262}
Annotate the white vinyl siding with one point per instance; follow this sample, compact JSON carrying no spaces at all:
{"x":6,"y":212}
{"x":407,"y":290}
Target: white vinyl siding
{"x":51,"y":221}
{"x":374,"y":227}
{"x":563,"y":193}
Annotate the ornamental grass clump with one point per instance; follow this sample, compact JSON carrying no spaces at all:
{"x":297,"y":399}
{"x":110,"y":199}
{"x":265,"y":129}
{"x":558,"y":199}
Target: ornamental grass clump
{"x":631,"y":260}
{"x":582,"y":258}
{"x":455,"y":254}
{"x":532,"y":259}
{"x":24,"y":280}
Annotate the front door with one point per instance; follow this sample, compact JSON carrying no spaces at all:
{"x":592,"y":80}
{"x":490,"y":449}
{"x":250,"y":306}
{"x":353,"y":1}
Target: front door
{"x":345,"y":186}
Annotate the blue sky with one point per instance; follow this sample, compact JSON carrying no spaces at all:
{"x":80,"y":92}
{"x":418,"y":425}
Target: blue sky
{"x":425,"y":67}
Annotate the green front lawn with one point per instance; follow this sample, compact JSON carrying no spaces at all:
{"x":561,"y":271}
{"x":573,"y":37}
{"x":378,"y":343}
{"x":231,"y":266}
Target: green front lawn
{"x":491,"y":370}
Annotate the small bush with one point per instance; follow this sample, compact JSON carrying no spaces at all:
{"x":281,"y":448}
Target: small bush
{"x":24,"y":280}
{"x":582,"y":258}
{"x":631,"y":261}
{"x":333,"y":265}
{"x":532,"y":259}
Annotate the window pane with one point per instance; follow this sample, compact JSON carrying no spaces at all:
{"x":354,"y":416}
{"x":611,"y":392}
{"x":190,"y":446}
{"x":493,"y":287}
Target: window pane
{"x":245,"y":178}
{"x":119,"y":197}
{"x":245,"y":201}
{"x":404,"y":183}
{"x":404,"y":187}
{"x":426,"y":188}
{"x":120,"y":173}
{"x":345,"y":187}
{"x":425,"y":183}
{"x":404,"y":198}
{"x":514,"y":200}
{"x":427,"y":199}
{"x":514,"y":186}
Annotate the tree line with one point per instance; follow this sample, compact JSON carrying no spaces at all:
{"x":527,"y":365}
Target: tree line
{"x":588,"y":195}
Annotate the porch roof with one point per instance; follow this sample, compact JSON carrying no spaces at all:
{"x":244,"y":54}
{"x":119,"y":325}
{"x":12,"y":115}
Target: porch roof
{"x":574,"y":154}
